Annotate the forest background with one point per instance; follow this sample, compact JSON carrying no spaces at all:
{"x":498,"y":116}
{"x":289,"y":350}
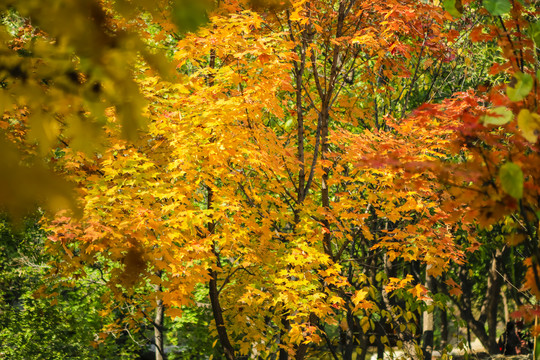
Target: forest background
{"x":267,"y":179}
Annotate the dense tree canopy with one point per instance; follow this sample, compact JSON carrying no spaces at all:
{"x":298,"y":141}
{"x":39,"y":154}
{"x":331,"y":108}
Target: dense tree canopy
{"x":300,"y":179}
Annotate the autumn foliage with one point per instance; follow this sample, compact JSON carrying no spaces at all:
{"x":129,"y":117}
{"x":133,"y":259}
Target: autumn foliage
{"x":310,"y":164}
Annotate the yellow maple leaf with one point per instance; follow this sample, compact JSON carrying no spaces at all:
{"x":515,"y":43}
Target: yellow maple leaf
{"x":529,"y":123}
{"x":359,"y":298}
{"x":420,"y":292}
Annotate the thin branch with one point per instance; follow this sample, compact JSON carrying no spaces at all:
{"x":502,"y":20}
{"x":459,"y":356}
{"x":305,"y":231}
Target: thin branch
{"x":315,"y":154}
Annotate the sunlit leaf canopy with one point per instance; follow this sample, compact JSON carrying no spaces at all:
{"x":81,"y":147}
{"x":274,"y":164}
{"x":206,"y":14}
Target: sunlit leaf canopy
{"x":63,"y":63}
{"x":290,"y":159}
{"x":250,"y":182}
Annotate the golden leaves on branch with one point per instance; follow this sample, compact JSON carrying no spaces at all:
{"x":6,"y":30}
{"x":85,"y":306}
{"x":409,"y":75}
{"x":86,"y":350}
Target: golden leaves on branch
{"x":211,"y":187}
{"x":65,"y":65}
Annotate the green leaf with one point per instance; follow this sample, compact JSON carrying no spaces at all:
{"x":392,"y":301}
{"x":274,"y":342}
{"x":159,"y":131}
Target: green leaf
{"x":534,"y":33}
{"x":529,"y":124}
{"x":497,"y":7}
{"x":188,"y":15}
{"x":511,"y":178}
{"x":454,"y":7}
{"x":519,"y":86}
{"x":289,"y":124}
{"x":498,"y":116}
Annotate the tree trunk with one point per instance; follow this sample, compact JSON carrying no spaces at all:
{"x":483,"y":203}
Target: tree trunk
{"x":465,"y":309}
{"x":427,"y":333}
{"x":218,"y":317}
{"x":409,"y":345}
{"x":444,"y":328}
{"x":380,"y":350}
{"x":283,"y":354}
{"x":347,"y":337}
{"x":505,"y":306}
{"x":440,"y":286}
{"x":158,"y":330}
{"x":489,"y":309}
{"x":301,"y":349}
{"x":363,"y":346}
{"x":217,"y":310}
{"x":493,"y":298}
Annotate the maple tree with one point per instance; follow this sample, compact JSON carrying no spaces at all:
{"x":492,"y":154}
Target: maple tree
{"x":244,"y":175}
{"x":59,"y":77}
{"x":290,"y":169}
{"x":491,"y":147}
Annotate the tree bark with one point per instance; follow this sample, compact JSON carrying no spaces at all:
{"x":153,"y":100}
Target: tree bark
{"x":409,"y":345}
{"x":347,"y":337}
{"x":217,"y":311}
{"x":427,"y":333}
{"x":505,"y":306}
{"x":158,"y":329}
{"x":489,"y":309}
{"x":493,"y":297}
{"x":283,"y":354}
{"x":444,"y":328}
